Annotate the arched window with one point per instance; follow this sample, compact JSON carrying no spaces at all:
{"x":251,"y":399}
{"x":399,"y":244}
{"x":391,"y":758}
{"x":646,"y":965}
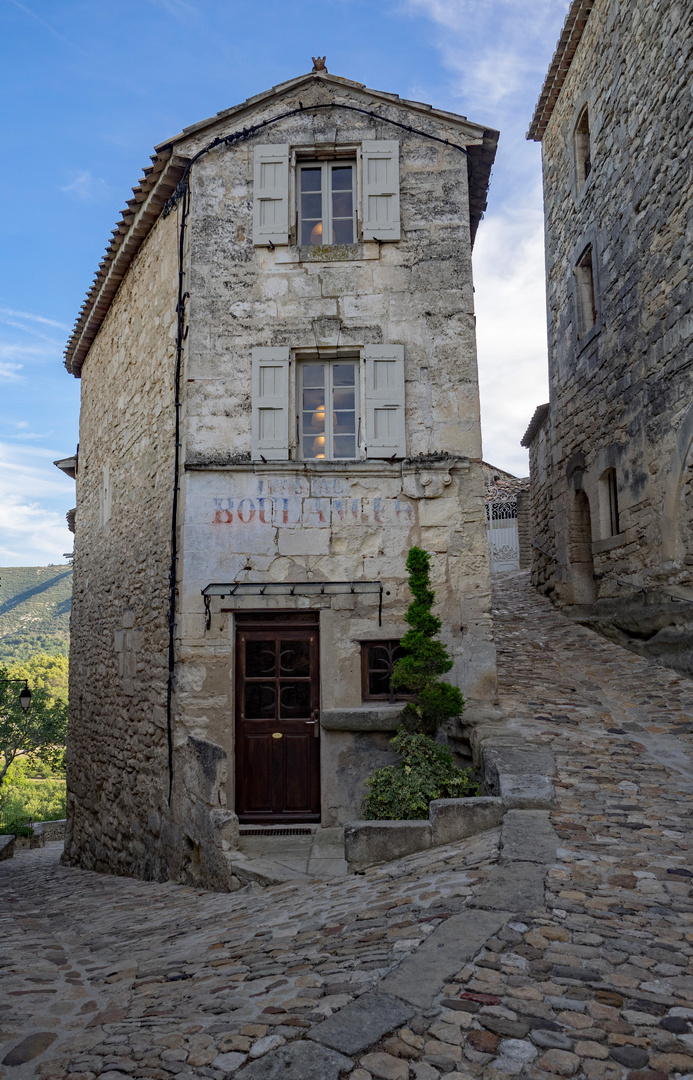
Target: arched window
{"x":583,"y":149}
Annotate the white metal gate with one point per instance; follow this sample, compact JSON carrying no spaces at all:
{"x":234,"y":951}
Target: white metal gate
{"x":503,"y":540}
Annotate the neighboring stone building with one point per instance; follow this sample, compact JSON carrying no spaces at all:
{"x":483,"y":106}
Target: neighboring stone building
{"x":279,"y":397}
{"x":611,"y":456}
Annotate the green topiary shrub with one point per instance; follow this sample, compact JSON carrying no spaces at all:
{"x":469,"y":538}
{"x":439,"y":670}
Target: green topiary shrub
{"x":426,"y":658}
{"x":426,"y":771}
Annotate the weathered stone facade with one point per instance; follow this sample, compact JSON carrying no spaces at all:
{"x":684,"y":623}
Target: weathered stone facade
{"x":610,"y":464}
{"x":244,"y":520}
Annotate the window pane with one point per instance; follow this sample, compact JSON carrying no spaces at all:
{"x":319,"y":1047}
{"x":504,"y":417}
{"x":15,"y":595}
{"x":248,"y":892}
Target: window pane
{"x":344,"y":446}
{"x":295,"y":699}
{"x":343,"y":374}
{"x":343,"y":397}
{"x":260,"y":701}
{"x":313,"y":374}
{"x":378,"y":684}
{"x":259,"y":659}
{"x":342,"y":206}
{"x":311,"y":179}
{"x":311,"y":205}
{"x":342,"y":178}
{"x":343,"y":231}
{"x":344,"y":423}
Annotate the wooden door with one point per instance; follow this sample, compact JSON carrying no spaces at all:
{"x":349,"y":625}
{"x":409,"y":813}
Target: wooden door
{"x":277,"y":721}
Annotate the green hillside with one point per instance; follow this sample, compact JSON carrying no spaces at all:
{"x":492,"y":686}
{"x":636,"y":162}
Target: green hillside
{"x":34,"y":611}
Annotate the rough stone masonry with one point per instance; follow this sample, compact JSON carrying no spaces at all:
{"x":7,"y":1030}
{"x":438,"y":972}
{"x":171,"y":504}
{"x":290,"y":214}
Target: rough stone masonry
{"x":611,"y":457}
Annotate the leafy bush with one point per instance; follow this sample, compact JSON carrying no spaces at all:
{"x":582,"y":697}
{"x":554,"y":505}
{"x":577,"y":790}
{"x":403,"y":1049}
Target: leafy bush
{"x":426,"y":771}
{"x":426,"y":658}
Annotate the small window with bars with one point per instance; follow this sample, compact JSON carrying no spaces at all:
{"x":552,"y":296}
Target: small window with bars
{"x":377,"y":662}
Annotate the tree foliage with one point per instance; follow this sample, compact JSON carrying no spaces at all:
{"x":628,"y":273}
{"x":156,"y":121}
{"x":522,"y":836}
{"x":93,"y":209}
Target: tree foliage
{"x":426,"y":658}
{"x":37,"y":733}
{"x":426,"y":771}
{"x":43,"y":672}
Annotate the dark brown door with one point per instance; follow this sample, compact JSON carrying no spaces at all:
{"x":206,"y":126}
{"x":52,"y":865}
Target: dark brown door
{"x":277,"y":721}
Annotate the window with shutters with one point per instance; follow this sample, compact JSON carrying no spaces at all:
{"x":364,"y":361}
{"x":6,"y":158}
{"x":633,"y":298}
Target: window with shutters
{"x":323,"y":197}
{"x":349,"y":404}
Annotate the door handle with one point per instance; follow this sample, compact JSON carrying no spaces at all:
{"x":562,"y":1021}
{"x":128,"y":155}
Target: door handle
{"x":315,"y":722}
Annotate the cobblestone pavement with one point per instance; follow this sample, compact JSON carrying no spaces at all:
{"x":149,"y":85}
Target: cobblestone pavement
{"x":591,"y":977}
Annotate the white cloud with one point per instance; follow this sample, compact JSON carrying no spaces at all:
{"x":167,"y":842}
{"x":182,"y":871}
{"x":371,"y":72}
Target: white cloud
{"x":33,"y":530}
{"x":9,"y":371}
{"x":511,"y":329}
{"x":86,"y":187}
{"x":11,"y":313}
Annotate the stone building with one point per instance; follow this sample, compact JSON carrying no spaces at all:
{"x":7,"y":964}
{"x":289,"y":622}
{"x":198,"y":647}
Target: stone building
{"x":611,"y":453}
{"x":279,"y":398}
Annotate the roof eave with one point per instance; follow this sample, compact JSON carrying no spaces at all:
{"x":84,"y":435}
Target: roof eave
{"x":573,"y":27}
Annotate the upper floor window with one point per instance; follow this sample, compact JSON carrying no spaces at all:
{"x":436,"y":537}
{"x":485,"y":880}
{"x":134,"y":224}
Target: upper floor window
{"x":352,"y":196}
{"x":326,"y":210}
{"x":327,"y":405}
{"x":583,"y":150}
{"x":585,"y":292}
{"x":329,"y":409}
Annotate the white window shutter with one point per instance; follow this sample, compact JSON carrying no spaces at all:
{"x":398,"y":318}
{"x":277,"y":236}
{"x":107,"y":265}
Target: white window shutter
{"x":380,"y":158}
{"x":270,"y":404}
{"x":271,"y":195}
{"x":385,"y":430}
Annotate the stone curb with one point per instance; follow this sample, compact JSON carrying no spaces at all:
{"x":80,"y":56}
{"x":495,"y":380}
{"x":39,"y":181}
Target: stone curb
{"x":516,"y":775}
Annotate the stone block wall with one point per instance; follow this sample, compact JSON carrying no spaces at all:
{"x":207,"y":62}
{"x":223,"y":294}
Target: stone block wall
{"x":621,"y":394}
{"x":117,"y":771}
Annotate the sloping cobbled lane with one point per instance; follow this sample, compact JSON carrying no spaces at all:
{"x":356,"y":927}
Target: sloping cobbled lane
{"x":113,"y":978}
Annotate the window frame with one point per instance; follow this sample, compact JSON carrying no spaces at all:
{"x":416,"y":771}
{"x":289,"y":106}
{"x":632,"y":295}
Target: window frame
{"x":392,"y":697}
{"x":327,"y":165}
{"x":301,"y":360}
{"x":582,"y":153}
{"x":583,"y":337}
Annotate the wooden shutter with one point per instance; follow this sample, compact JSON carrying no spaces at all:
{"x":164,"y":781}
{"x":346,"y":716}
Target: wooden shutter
{"x":271,"y":195}
{"x":380,"y":160}
{"x":270,"y":402}
{"x":385,"y":431}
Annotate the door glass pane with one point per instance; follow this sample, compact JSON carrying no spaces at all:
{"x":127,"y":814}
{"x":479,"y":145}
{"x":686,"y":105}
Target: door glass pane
{"x":294,"y":658}
{"x":260,"y":701}
{"x":259,"y":659}
{"x":294,"y":700}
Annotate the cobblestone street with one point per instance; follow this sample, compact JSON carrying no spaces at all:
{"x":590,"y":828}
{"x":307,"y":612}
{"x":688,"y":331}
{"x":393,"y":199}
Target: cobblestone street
{"x":116,"y":978}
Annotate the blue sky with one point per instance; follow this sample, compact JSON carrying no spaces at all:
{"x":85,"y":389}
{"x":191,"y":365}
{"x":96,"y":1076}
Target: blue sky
{"x":89,"y":88}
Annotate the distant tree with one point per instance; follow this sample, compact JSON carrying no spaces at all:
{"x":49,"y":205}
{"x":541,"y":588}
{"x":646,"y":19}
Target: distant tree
{"x":426,"y":658}
{"x":43,"y":672}
{"x":37,"y":733}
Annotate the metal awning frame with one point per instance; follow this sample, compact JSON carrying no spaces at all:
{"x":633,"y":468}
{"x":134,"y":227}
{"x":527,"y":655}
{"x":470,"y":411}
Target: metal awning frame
{"x":290,"y":588}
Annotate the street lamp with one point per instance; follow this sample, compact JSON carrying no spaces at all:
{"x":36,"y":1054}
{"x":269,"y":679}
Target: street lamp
{"x":24,"y":693}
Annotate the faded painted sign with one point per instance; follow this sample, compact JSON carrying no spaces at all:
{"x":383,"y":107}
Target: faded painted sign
{"x":292,"y":511}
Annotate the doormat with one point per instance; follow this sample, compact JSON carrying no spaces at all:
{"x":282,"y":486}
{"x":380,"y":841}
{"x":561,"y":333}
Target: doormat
{"x":276,"y":832}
